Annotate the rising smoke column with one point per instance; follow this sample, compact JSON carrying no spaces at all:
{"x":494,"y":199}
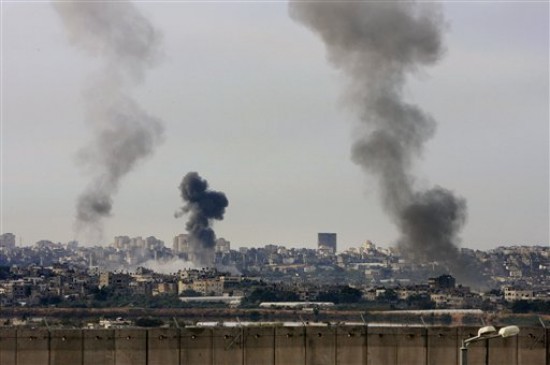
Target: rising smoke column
{"x":376,"y":45}
{"x":203,"y":206}
{"x":123,"y":133}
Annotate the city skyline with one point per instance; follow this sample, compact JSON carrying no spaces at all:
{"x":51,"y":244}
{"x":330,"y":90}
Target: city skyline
{"x":249,"y":101}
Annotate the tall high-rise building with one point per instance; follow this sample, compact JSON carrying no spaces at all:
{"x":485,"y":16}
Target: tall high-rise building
{"x":7,"y":240}
{"x":326,"y":243}
{"x":121,"y":242}
{"x":153,"y":243}
{"x":181,"y":243}
{"x":223,"y":245}
{"x":137,"y":242}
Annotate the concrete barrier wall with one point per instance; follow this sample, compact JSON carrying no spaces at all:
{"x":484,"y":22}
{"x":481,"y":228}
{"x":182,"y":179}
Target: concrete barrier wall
{"x":227,"y":346}
{"x":382,"y":345}
{"x":351,"y":345}
{"x":412,"y":348}
{"x":443,"y":346}
{"x":131,"y":347}
{"x":98,"y":347}
{"x":259,"y":345}
{"x":533,"y":346}
{"x":8,"y":352}
{"x":303,"y":345}
{"x":66,"y":347}
{"x":290,"y":345}
{"x":196,"y":346}
{"x":32,"y":347}
{"x":320,"y":345}
{"x":163,"y":347}
{"x":502,"y":350}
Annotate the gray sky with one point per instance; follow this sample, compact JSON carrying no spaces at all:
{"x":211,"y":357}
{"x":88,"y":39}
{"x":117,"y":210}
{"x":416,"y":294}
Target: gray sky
{"x":249,"y":101}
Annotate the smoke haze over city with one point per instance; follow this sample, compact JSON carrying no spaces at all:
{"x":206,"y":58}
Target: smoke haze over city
{"x":123,"y":133}
{"x":262,"y":106}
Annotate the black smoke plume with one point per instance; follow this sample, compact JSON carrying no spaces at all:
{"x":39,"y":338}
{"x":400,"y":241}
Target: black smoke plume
{"x":203,"y":206}
{"x":376,"y":45}
{"x":123,"y":133}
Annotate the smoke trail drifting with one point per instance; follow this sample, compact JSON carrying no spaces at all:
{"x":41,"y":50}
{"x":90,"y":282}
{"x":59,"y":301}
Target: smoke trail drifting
{"x":203,"y":205}
{"x":124,"y":133}
{"x":376,"y":44}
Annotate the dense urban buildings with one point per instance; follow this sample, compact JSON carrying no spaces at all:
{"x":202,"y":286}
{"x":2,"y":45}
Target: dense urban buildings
{"x":143,"y":270}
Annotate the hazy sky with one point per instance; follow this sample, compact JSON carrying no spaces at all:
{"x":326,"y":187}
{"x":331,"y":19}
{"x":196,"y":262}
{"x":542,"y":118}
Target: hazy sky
{"x":249,"y":101}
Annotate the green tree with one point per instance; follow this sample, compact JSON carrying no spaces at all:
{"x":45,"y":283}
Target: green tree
{"x":350,"y":295}
{"x":420,"y":301}
{"x":267,"y":294}
{"x":522,"y":306}
{"x":389,"y":296}
{"x":149,"y":322}
{"x":190,"y":293}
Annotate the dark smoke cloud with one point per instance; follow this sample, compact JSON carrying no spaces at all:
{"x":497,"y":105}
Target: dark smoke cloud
{"x":203,"y":206}
{"x":432,"y":219}
{"x":376,"y":45}
{"x":123,"y":133}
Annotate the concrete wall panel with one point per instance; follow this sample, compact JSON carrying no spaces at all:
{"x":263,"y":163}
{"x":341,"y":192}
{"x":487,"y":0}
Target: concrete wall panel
{"x":345,"y":345}
{"x":412,"y":347}
{"x":382,"y":345}
{"x":196,"y":346}
{"x":66,"y":347}
{"x":130,"y":347}
{"x":228,"y":346}
{"x":99,"y":347}
{"x":259,"y":346}
{"x":351,"y":345}
{"x":532,"y":346}
{"x":443,"y":346}
{"x":163,"y":346}
{"x":33,"y":346}
{"x":503,"y":351}
{"x":290,"y":346}
{"x":320,"y":346}
{"x":8,"y":346}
